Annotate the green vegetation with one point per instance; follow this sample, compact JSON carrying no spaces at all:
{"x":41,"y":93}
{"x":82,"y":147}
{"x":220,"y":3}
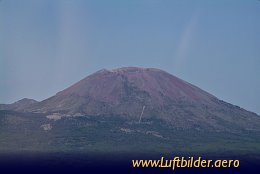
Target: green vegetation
{"x":89,"y":134}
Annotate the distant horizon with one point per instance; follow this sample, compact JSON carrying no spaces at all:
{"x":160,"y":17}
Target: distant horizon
{"x":47,"y":45}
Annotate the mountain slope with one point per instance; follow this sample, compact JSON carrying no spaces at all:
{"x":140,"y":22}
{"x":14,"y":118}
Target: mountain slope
{"x":19,"y":105}
{"x":147,"y":93}
{"x":137,"y":111}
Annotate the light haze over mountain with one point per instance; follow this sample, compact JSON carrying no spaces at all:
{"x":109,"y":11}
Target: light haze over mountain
{"x":48,"y":45}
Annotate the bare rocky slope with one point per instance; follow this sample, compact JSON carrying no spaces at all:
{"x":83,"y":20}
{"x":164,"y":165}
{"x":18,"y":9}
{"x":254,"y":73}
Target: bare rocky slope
{"x":148,"y":93}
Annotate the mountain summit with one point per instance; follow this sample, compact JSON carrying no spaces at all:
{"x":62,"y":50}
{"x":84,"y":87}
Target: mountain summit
{"x":144,"y":93}
{"x":130,"y":111}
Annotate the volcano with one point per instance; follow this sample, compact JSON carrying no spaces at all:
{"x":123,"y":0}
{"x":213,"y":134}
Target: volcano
{"x":130,"y":111}
{"x":144,"y":93}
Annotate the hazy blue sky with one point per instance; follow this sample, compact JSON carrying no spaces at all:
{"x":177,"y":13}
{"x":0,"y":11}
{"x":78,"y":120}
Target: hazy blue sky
{"x":47,"y":45}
